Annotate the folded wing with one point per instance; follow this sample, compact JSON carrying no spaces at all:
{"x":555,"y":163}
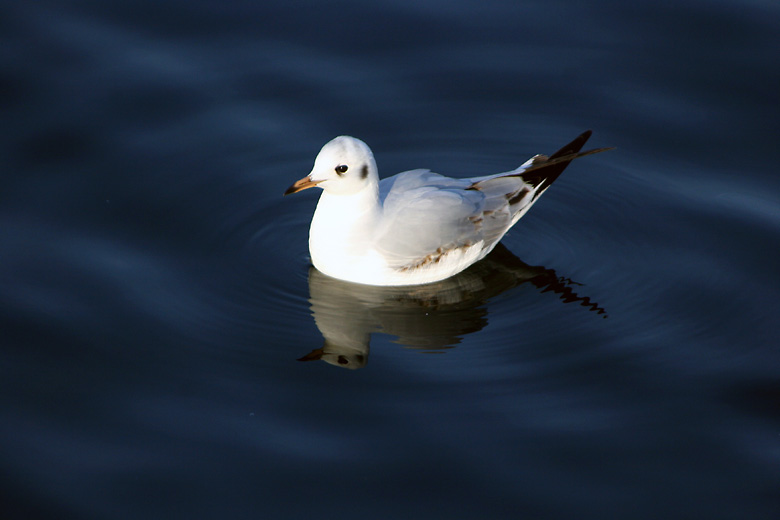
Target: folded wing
{"x":427,"y":214}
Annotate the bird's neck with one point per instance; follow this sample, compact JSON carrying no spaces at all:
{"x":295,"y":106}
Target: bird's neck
{"x":345,"y":221}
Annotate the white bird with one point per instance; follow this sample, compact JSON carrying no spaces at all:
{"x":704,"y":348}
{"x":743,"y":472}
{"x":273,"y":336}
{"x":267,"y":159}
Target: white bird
{"x":417,"y":226}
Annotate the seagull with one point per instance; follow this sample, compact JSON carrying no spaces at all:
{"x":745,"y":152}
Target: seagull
{"x":415,"y":227}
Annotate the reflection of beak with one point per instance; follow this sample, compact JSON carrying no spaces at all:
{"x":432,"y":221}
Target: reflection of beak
{"x":302,"y":184}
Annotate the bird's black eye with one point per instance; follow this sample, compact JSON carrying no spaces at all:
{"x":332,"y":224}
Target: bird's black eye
{"x":342,"y":169}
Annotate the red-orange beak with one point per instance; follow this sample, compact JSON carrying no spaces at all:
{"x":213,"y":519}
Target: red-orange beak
{"x":302,"y":184}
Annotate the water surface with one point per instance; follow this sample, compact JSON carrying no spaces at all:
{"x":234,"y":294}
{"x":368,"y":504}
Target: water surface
{"x":616,"y":358}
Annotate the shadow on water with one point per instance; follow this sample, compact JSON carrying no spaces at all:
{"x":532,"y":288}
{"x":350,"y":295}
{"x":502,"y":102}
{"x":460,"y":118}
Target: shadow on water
{"x":429,"y":317}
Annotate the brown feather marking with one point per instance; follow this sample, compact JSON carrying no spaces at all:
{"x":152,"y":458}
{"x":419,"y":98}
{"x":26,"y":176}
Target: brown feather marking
{"x":477,"y":221}
{"x":514,"y":198}
{"x":435,"y":257}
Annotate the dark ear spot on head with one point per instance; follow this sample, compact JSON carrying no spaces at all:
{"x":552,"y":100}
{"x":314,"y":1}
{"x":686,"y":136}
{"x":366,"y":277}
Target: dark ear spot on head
{"x":364,"y":171}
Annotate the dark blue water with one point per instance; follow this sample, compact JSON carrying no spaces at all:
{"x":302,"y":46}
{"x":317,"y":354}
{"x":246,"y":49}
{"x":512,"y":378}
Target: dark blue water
{"x":617,"y":359}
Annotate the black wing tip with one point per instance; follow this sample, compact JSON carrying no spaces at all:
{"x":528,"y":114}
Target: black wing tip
{"x":574,"y":146}
{"x":545,"y":173}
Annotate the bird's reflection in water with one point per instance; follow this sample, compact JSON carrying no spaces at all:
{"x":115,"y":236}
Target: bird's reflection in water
{"x":430,"y":317}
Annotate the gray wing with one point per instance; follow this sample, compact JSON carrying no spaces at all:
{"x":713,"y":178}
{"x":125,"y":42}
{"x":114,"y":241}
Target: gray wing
{"x":425,"y":213}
